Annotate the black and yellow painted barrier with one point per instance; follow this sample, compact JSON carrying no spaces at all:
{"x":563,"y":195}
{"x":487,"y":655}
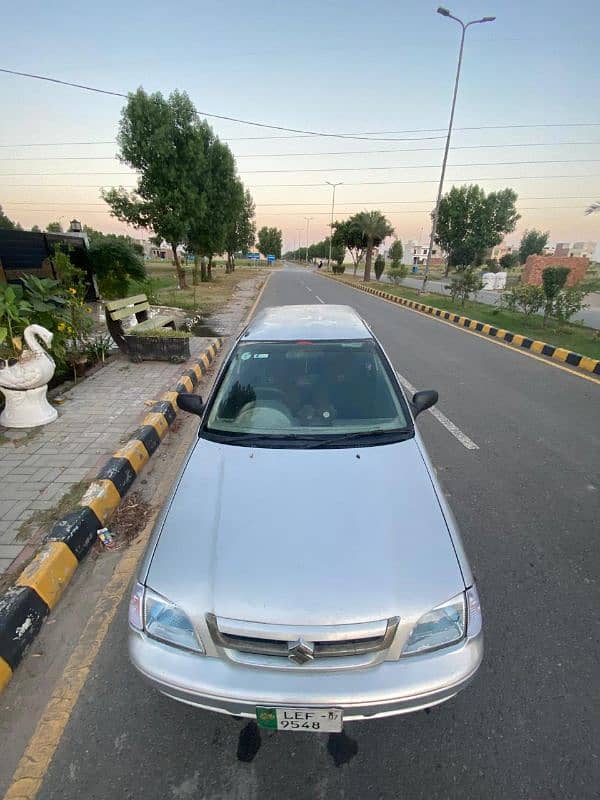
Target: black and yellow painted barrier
{"x":518,"y":340}
{"x":38,"y":588}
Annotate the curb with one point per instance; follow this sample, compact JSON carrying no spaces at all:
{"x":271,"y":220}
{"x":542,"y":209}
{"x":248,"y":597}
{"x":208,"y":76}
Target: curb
{"x":24,"y":606}
{"x":542,"y":348}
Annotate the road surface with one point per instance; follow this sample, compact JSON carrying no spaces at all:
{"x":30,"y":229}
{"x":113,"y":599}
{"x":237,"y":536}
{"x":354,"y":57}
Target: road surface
{"x":517,"y":448}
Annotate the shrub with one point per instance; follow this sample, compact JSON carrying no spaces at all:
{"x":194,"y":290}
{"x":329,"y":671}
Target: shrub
{"x":492,"y":265}
{"x":524,"y":297}
{"x":397,"y":274}
{"x":553,"y":280}
{"x":338,"y":269}
{"x":115,"y":263}
{"x":379,"y":266}
{"x":464,"y":283}
{"x":396,"y":253}
{"x":509,"y":260}
{"x":161,"y":333}
{"x":567,"y":302}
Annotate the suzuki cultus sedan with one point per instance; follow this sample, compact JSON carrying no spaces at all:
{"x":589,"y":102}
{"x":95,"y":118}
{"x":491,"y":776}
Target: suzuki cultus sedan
{"x":307,"y":570}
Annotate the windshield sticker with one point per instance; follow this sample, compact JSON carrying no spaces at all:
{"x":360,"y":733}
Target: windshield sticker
{"x":260,"y":355}
{"x":245,"y":356}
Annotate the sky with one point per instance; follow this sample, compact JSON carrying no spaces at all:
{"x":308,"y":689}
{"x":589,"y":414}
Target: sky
{"x":336,"y":67}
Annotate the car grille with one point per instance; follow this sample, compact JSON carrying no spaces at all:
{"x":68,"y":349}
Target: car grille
{"x":334,"y":641}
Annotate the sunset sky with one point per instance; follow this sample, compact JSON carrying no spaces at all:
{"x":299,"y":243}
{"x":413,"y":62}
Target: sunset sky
{"x":339,"y":67}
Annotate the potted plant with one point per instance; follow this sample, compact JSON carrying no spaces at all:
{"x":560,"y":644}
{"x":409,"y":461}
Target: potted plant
{"x":158,"y":344}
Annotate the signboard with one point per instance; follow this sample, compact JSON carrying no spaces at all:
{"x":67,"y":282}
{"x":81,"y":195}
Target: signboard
{"x":253,"y":256}
{"x":271,"y":259}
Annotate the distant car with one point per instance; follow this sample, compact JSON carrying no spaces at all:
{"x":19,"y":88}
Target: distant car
{"x":307,"y":570}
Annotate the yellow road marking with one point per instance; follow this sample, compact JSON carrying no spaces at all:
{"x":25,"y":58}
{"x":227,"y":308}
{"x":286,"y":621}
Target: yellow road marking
{"x":5,"y":674}
{"x":50,"y":572}
{"x":187,"y":381}
{"x":256,"y":302}
{"x":171,"y":397}
{"x":197,"y":371}
{"x":492,"y":340}
{"x":158,"y":422}
{"x":537,"y":346}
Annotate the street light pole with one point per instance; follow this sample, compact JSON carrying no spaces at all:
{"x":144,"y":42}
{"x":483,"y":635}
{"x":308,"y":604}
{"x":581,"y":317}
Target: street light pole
{"x":333,"y":186}
{"x":445,"y":13}
{"x":308,"y":219}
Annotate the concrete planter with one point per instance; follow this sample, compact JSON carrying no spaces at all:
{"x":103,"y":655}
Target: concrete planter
{"x":158,"y":348}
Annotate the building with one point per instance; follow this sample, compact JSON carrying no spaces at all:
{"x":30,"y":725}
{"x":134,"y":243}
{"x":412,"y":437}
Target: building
{"x":415,"y":254}
{"x":153,"y":252}
{"x":583,"y":249}
{"x":562,"y":249}
{"x":504,"y":249}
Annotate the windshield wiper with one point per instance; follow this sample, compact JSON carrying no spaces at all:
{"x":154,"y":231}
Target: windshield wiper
{"x":397,"y":435}
{"x":250,"y":438}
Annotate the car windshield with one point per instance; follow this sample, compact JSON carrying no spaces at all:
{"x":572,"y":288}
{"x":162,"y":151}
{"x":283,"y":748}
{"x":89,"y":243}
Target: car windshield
{"x":306,"y":388}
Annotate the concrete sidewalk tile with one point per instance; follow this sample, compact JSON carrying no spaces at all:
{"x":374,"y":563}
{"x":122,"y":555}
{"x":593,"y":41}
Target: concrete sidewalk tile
{"x":15,"y":510}
{"x":10,"y":550}
{"x":5,"y":564}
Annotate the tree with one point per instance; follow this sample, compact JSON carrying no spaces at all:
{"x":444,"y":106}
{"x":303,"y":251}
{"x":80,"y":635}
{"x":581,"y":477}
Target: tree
{"x":375,"y":228}
{"x":379,"y":266}
{"x":164,"y":140}
{"x":54,"y":227}
{"x":347,"y":234}
{"x":532,"y":243}
{"x":241,"y":229}
{"x":464,"y":283}
{"x":593,"y":208}
{"x":470,"y":222}
{"x":270,"y":241}
{"x":115,"y":261}
{"x":396,"y":253}
{"x":36,"y":229}
{"x":5,"y":222}
{"x":509,"y":260}
{"x":553,"y":280}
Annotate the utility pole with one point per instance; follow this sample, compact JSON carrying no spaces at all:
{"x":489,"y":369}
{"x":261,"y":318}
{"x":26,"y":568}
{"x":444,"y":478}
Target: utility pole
{"x":333,"y":186}
{"x":445,"y":13}
{"x":308,"y":219}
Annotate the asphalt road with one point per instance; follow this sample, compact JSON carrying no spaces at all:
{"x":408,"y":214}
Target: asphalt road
{"x":527,"y":500}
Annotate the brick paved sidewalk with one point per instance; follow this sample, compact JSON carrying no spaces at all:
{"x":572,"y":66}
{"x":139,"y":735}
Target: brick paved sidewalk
{"x":40,"y":466}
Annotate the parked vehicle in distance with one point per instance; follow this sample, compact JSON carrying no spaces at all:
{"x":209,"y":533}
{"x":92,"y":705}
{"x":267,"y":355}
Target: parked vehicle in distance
{"x":307,"y":570}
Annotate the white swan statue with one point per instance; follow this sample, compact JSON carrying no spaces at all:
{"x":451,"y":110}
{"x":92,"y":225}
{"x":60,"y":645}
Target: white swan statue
{"x":25,"y":383}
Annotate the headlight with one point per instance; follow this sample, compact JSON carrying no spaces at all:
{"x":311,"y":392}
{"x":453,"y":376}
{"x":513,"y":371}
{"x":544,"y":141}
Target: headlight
{"x":162,"y":620}
{"x":442,"y":626}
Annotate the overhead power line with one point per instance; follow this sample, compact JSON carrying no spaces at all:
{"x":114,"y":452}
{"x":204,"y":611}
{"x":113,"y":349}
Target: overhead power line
{"x":227,"y":118}
{"x":324,"y":152}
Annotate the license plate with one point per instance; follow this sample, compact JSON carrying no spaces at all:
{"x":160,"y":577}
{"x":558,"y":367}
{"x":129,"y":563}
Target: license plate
{"x":320,"y":720}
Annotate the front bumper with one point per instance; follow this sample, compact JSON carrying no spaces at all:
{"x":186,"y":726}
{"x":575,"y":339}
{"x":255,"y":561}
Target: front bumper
{"x":388,"y":688}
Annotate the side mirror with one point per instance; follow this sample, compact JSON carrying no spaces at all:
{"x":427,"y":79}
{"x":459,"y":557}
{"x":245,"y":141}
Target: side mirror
{"x":423,"y":400}
{"x":192,"y":403}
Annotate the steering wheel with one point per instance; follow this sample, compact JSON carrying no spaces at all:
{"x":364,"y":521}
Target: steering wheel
{"x":268,"y":416}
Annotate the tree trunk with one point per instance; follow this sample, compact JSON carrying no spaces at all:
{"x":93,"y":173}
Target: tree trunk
{"x":195,"y":270}
{"x":210,"y":258}
{"x":178,"y":268}
{"x":367,"y":276}
{"x":203,"y":275}
{"x":447,"y":270}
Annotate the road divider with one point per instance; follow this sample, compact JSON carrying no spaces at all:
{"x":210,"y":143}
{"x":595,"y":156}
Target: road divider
{"x":24,"y":606}
{"x":585,"y":363}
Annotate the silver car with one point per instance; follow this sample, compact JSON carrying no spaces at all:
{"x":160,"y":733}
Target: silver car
{"x":307,"y":570}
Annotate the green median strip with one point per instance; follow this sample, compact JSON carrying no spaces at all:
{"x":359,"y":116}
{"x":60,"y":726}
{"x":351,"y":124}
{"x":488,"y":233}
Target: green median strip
{"x":570,"y":337}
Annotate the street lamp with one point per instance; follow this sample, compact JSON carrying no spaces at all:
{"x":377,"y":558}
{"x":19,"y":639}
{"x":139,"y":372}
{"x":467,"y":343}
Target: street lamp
{"x":445,"y":13}
{"x":333,"y":186}
{"x":308,"y":219}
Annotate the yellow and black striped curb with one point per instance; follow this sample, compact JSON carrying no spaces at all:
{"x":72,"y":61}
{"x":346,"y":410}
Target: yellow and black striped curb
{"x":25,"y":605}
{"x":517,"y":339}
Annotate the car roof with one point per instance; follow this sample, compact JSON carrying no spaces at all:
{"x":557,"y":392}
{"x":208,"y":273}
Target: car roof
{"x":312,"y":322}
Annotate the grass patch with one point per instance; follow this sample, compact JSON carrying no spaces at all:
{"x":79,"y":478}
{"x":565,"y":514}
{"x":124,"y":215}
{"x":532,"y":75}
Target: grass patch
{"x":159,"y":333}
{"x":570,"y":336}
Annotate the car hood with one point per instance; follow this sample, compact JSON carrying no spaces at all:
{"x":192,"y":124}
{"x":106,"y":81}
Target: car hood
{"x":305,"y":537}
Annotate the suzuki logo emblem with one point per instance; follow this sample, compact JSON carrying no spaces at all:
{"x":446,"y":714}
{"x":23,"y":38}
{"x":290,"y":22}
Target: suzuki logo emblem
{"x":301,"y":651}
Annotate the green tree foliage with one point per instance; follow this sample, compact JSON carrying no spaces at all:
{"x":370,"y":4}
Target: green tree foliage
{"x":36,"y":229}
{"x":347,"y":234}
{"x":270,"y":241}
{"x":375,"y":228}
{"x":524,"y":297}
{"x":115,"y":262}
{"x":241,"y":227}
{"x":553,"y":280}
{"x":593,"y":208}
{"x":379,"y":266}
{"x":396,"y":254}
{"x":508,"y":261}
{"x":397,"y":274}
{"x":465,"y":283}
{"x":5,"y":222}
{"x":470,"y":222}
{"x":163,"y":140}
{"x":54,"y":227}
{"x":532,"y":243}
